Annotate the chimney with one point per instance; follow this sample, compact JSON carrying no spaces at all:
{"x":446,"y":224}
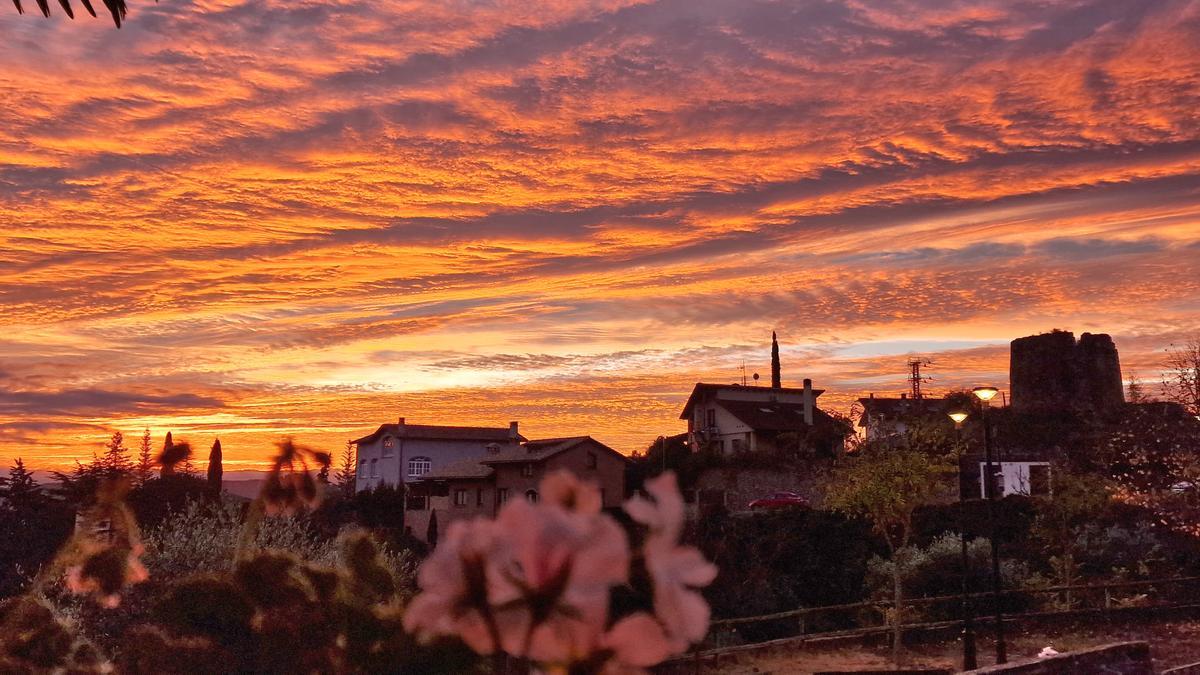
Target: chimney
{"x":513,"y":434}
{"x":904,"y":396}
{"x":808,"y":402}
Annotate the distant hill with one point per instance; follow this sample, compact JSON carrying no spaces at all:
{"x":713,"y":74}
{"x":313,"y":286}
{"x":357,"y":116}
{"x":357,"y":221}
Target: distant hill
{"x":248,"y":487}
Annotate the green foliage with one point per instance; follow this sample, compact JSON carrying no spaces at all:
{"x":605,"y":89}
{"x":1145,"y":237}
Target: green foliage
{"x":886,"y":484}
{"x":936,"y":570}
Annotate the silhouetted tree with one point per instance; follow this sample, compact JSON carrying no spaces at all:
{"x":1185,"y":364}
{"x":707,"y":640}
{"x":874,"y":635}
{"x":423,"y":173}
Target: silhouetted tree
{"x":144,"y":470}
{"x":167,"y":468}
{"x":345,"y":476}
{"x":215,"y":469}
{"x":19,"y":487}
{"x":776,"y":372}
{"x":115,"y":461}
{"x":1135,"y":392}
{"x":1181,"y":382}
{"x":32,"y":528}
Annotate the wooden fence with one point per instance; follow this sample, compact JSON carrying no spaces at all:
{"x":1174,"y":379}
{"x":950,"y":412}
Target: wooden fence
{"x":870,"y":617}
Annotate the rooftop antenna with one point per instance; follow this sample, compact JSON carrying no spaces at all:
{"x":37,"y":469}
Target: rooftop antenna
{"x":743,"y":372}
{"x":915,"y":379}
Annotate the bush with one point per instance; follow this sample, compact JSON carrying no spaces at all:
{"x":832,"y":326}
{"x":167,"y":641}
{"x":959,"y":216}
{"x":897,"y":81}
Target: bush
{"x":204,"y":538}
{"x":936,"y":570}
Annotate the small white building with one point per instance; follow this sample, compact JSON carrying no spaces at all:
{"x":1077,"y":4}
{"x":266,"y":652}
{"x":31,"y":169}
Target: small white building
{"x":735,"y":418}
{"x":404,"y":453}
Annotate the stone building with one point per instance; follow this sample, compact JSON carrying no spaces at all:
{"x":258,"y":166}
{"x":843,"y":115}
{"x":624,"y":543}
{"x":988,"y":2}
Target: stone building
{"x":1054,"y":372}
{"x":479,"y":486}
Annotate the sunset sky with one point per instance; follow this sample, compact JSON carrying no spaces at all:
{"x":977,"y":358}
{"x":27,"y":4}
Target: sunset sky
{"x":253,"y":219}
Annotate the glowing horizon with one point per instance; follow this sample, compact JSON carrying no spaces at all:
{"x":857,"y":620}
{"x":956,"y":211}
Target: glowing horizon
{"x":256,"y":219}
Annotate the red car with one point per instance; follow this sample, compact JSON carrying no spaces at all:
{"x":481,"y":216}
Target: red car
{"x":779,"y":500}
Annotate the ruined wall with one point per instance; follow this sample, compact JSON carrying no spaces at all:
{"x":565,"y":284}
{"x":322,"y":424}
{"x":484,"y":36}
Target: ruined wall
{"x":1053,"y":371}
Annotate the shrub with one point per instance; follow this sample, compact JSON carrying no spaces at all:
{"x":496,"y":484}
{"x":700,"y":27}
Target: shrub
{"x":204,"y":538}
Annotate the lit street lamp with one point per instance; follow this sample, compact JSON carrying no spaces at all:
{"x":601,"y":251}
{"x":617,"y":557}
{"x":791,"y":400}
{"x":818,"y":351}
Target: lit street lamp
{"x":986,"y":394}
{"x":968,"y":630}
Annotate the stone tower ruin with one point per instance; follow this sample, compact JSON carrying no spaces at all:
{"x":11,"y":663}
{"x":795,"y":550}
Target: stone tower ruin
{"x":1053,"y":371}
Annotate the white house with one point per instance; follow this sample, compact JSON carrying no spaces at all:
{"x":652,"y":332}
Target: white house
{"x":404,"y":453}
{"x":736,"y":418}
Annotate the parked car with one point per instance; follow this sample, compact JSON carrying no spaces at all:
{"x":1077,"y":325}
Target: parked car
{"x":779,"y":500}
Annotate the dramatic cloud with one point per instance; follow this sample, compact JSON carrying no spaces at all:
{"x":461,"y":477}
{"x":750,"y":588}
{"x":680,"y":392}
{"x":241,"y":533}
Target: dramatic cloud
{"x":251,"y":219}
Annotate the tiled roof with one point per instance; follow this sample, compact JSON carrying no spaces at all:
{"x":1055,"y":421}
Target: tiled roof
{"x":434,"y":432}
{"x":703,"y":388}
{"x":773,"y":416}
{"x":531,"y":451}
{"x":535,"y":450}
{"x":901,"y":408}
{"x":466,"y":468}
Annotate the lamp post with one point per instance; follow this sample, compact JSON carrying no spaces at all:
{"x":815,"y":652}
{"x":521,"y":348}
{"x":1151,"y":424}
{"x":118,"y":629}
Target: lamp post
{"x":986,"y":394}
{"x":969,"y":661}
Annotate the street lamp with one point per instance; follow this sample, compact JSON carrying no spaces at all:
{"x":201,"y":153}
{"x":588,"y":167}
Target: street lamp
{"x":986,"y":394}
{"x":968,"y":630}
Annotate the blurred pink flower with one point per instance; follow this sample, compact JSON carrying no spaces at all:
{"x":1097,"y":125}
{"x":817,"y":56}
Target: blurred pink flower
{"x":675,"y":570}
{"x":553,"y":605}
{"x":563,"y":489}
{"x":454,"y":584}
{"x":637,"y":640}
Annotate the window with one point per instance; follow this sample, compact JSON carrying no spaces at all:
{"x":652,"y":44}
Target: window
{"x":460,"y":497}
{"x":735,"y":444}
{"x":1039,"y":479}
{"x":479,"y":497}
{"x":501,"y":495}
{"x":373,"y":467}
{"x":591,"y":460}
{"x":531,"y":496}
{"x":711,"y":418}
{"x":417,"y":502}
{"x":419,"y":466}
{"x":387,"y":446}
{"x":362,"y":469}
{"x":527,"y":470}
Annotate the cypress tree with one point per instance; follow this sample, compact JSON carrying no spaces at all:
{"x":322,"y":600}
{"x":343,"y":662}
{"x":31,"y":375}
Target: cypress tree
{"x":776,"y":373}
{"x":167,"y":468}
{"x":431,"y":534}
{"x":215,"y":471}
